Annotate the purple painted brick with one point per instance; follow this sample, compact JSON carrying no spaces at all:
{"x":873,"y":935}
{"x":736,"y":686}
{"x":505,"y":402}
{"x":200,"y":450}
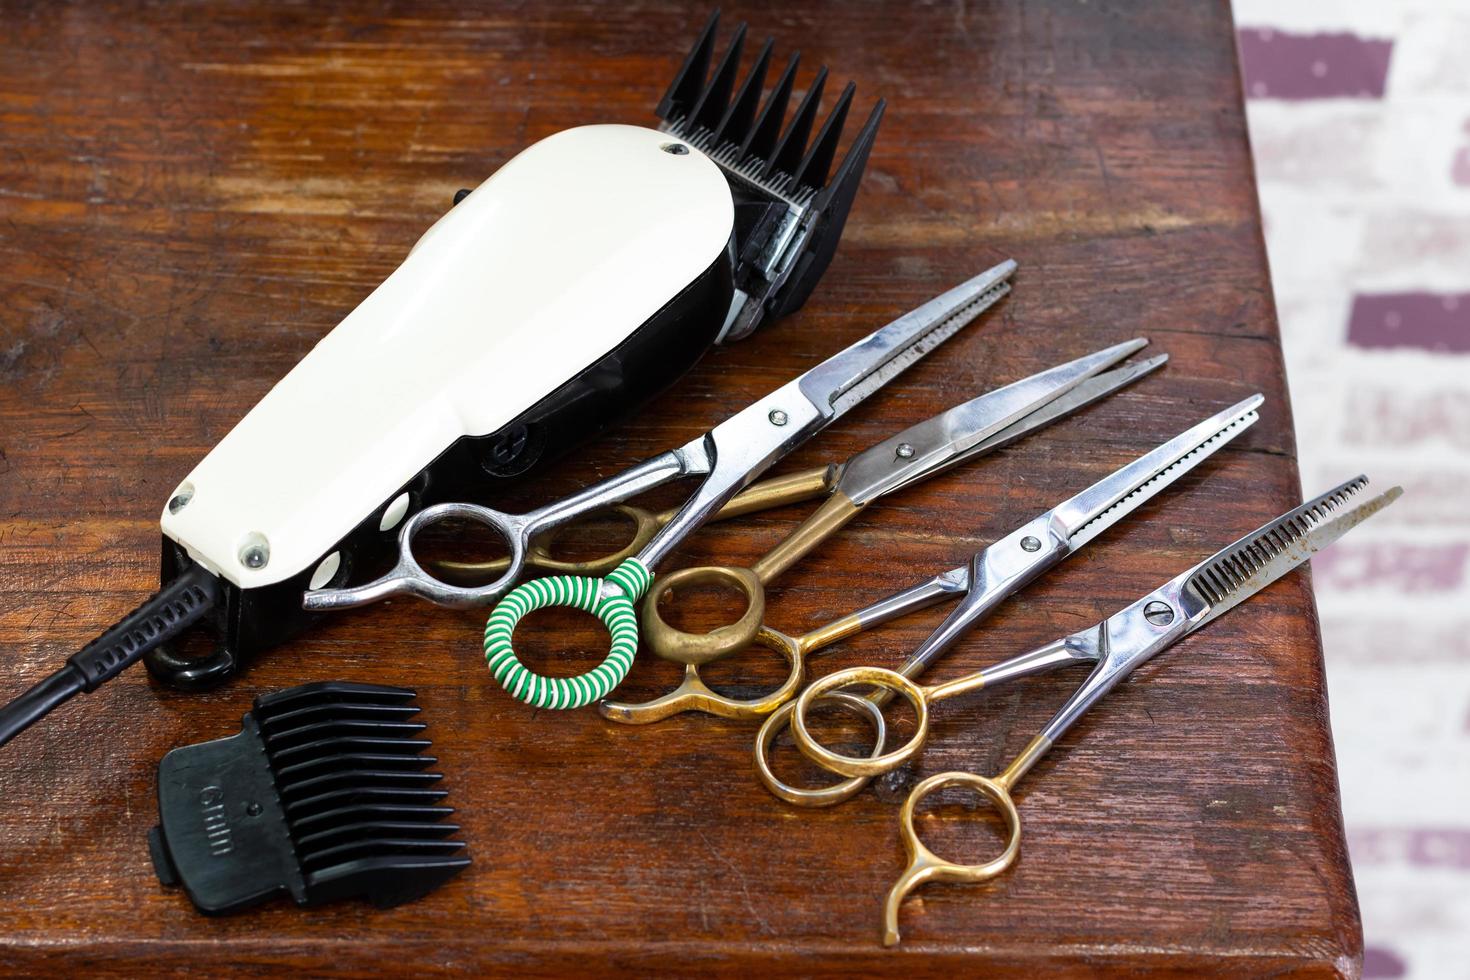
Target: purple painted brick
{"x":1278,"y":65}
{"x":1437,"y":322}
{"x":1381,"y":963}
{"x":1419,"y":847}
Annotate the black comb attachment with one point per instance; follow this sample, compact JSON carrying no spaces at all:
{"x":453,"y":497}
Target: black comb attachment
{"x":790,"y":205}
{"x":325,"y":793}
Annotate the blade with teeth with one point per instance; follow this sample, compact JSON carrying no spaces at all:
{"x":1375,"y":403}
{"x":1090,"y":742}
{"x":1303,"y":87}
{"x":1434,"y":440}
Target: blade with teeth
{"x":710,"y":108}
{"x":793,"y":144}
{"x":848,"y":377}
{"x":794,"y":198}
{"x":950,"y":438}
{"x":1112,"y":498}
{"x":687,"y":85}
{"x":812,"y":172}
{"x":1237,"y":572}
{"x":766,"y":130}
{"x":741,"y":113}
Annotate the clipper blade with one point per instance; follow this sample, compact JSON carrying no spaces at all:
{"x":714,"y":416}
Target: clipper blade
{"x":324,"y":794}
{"x":789,"y":214}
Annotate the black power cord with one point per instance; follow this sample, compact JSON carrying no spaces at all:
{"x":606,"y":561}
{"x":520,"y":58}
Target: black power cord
{"x":171,"y":610}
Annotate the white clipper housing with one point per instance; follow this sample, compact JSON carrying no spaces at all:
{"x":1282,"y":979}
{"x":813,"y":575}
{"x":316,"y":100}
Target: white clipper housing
{"x":546,"y":268}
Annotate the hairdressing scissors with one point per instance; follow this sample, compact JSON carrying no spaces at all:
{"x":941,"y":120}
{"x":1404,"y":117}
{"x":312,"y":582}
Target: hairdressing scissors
{"x":693,"y":694}
{"x":793,"y":488}
{"x":996,"y":573}
{"x":1116,"y":646}
{"x":728,"y":458}
{"x":955,"y":436}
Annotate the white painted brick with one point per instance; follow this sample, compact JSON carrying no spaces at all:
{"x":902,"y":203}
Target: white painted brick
{"x":1317,"y":145}
{"x":1430,"y":55}
{"x":1367,"y":18}
{"x":1411,"y":248}
{"x":1323,"y":242}
{"x":1416,"y":144}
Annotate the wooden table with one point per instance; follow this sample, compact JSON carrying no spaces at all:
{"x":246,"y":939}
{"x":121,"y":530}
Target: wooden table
{"x":191,"y":197}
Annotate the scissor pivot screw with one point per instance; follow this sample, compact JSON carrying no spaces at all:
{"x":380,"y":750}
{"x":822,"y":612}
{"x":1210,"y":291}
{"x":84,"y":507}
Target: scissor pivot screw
{"x":904,"y":450}
{"x":1159,"y":613}
{"x":677,"y":149}
{"x":777,"y":417}
{"x":1029,"y":543}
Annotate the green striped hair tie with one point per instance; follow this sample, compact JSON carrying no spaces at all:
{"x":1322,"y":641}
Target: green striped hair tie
{"x":576,"y":592}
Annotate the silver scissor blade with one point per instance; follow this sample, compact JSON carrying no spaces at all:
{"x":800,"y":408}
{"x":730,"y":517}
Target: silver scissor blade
{"x":1094,"y":389}
{"x":1112,"y":498}
{"x":1237,"y":572}
{"x":950,"y":438}
{"x":846,"y":378}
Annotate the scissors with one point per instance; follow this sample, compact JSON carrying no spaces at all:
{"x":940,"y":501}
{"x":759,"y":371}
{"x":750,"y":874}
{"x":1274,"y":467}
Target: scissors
{"x":989,"y":577}
{"x":693,"y":694}
{"x":728,"y":457}
{"x":1116,"y":646}
{"x":919,"y":452}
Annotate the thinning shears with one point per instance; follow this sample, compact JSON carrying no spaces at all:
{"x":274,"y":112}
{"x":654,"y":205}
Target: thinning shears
{"x":1116,"y":647}
{"x":728,"y":457}
{"x":958,"y":435}
{"x":991,"y":576}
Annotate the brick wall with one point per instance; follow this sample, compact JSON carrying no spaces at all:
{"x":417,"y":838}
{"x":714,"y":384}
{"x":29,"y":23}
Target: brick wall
{"x":1360,"y":124}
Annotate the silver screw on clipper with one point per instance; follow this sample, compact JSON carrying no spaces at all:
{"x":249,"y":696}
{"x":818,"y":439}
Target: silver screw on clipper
{"x":255,"y":552}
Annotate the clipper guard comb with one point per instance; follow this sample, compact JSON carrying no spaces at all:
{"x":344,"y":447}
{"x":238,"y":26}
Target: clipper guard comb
{"x":788,"y":213}
{"x":324,"y":794}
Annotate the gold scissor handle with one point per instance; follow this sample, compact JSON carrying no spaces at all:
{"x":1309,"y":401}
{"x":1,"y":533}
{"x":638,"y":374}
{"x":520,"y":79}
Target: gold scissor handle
{"x":925,"y":866}
{"x":822,"y":795}
{"x":702,"y":648}
{"x":889,"y":683}
{"x":693,"y":649}
{"x":693,"y":694}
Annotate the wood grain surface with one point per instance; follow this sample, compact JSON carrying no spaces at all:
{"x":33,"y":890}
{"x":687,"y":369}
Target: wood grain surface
{"x":192,"y":195}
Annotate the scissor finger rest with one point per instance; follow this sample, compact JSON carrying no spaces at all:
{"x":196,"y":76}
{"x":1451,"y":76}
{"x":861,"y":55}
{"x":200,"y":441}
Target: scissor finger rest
{"x":888,"y":681}
{"x":823,"y":795}
{"x":703,"y":648}
{"x":610,"y":600}
{"x":826,"y":795}
{"x":924,"y":865}
{"x":693,"y":694}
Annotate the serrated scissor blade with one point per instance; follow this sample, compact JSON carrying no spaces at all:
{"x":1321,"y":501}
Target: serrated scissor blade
{"x":1237,"y":572}
{"x":951,"y":437}
{"x":1112,"y":498}
{"x":846,"y":378}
